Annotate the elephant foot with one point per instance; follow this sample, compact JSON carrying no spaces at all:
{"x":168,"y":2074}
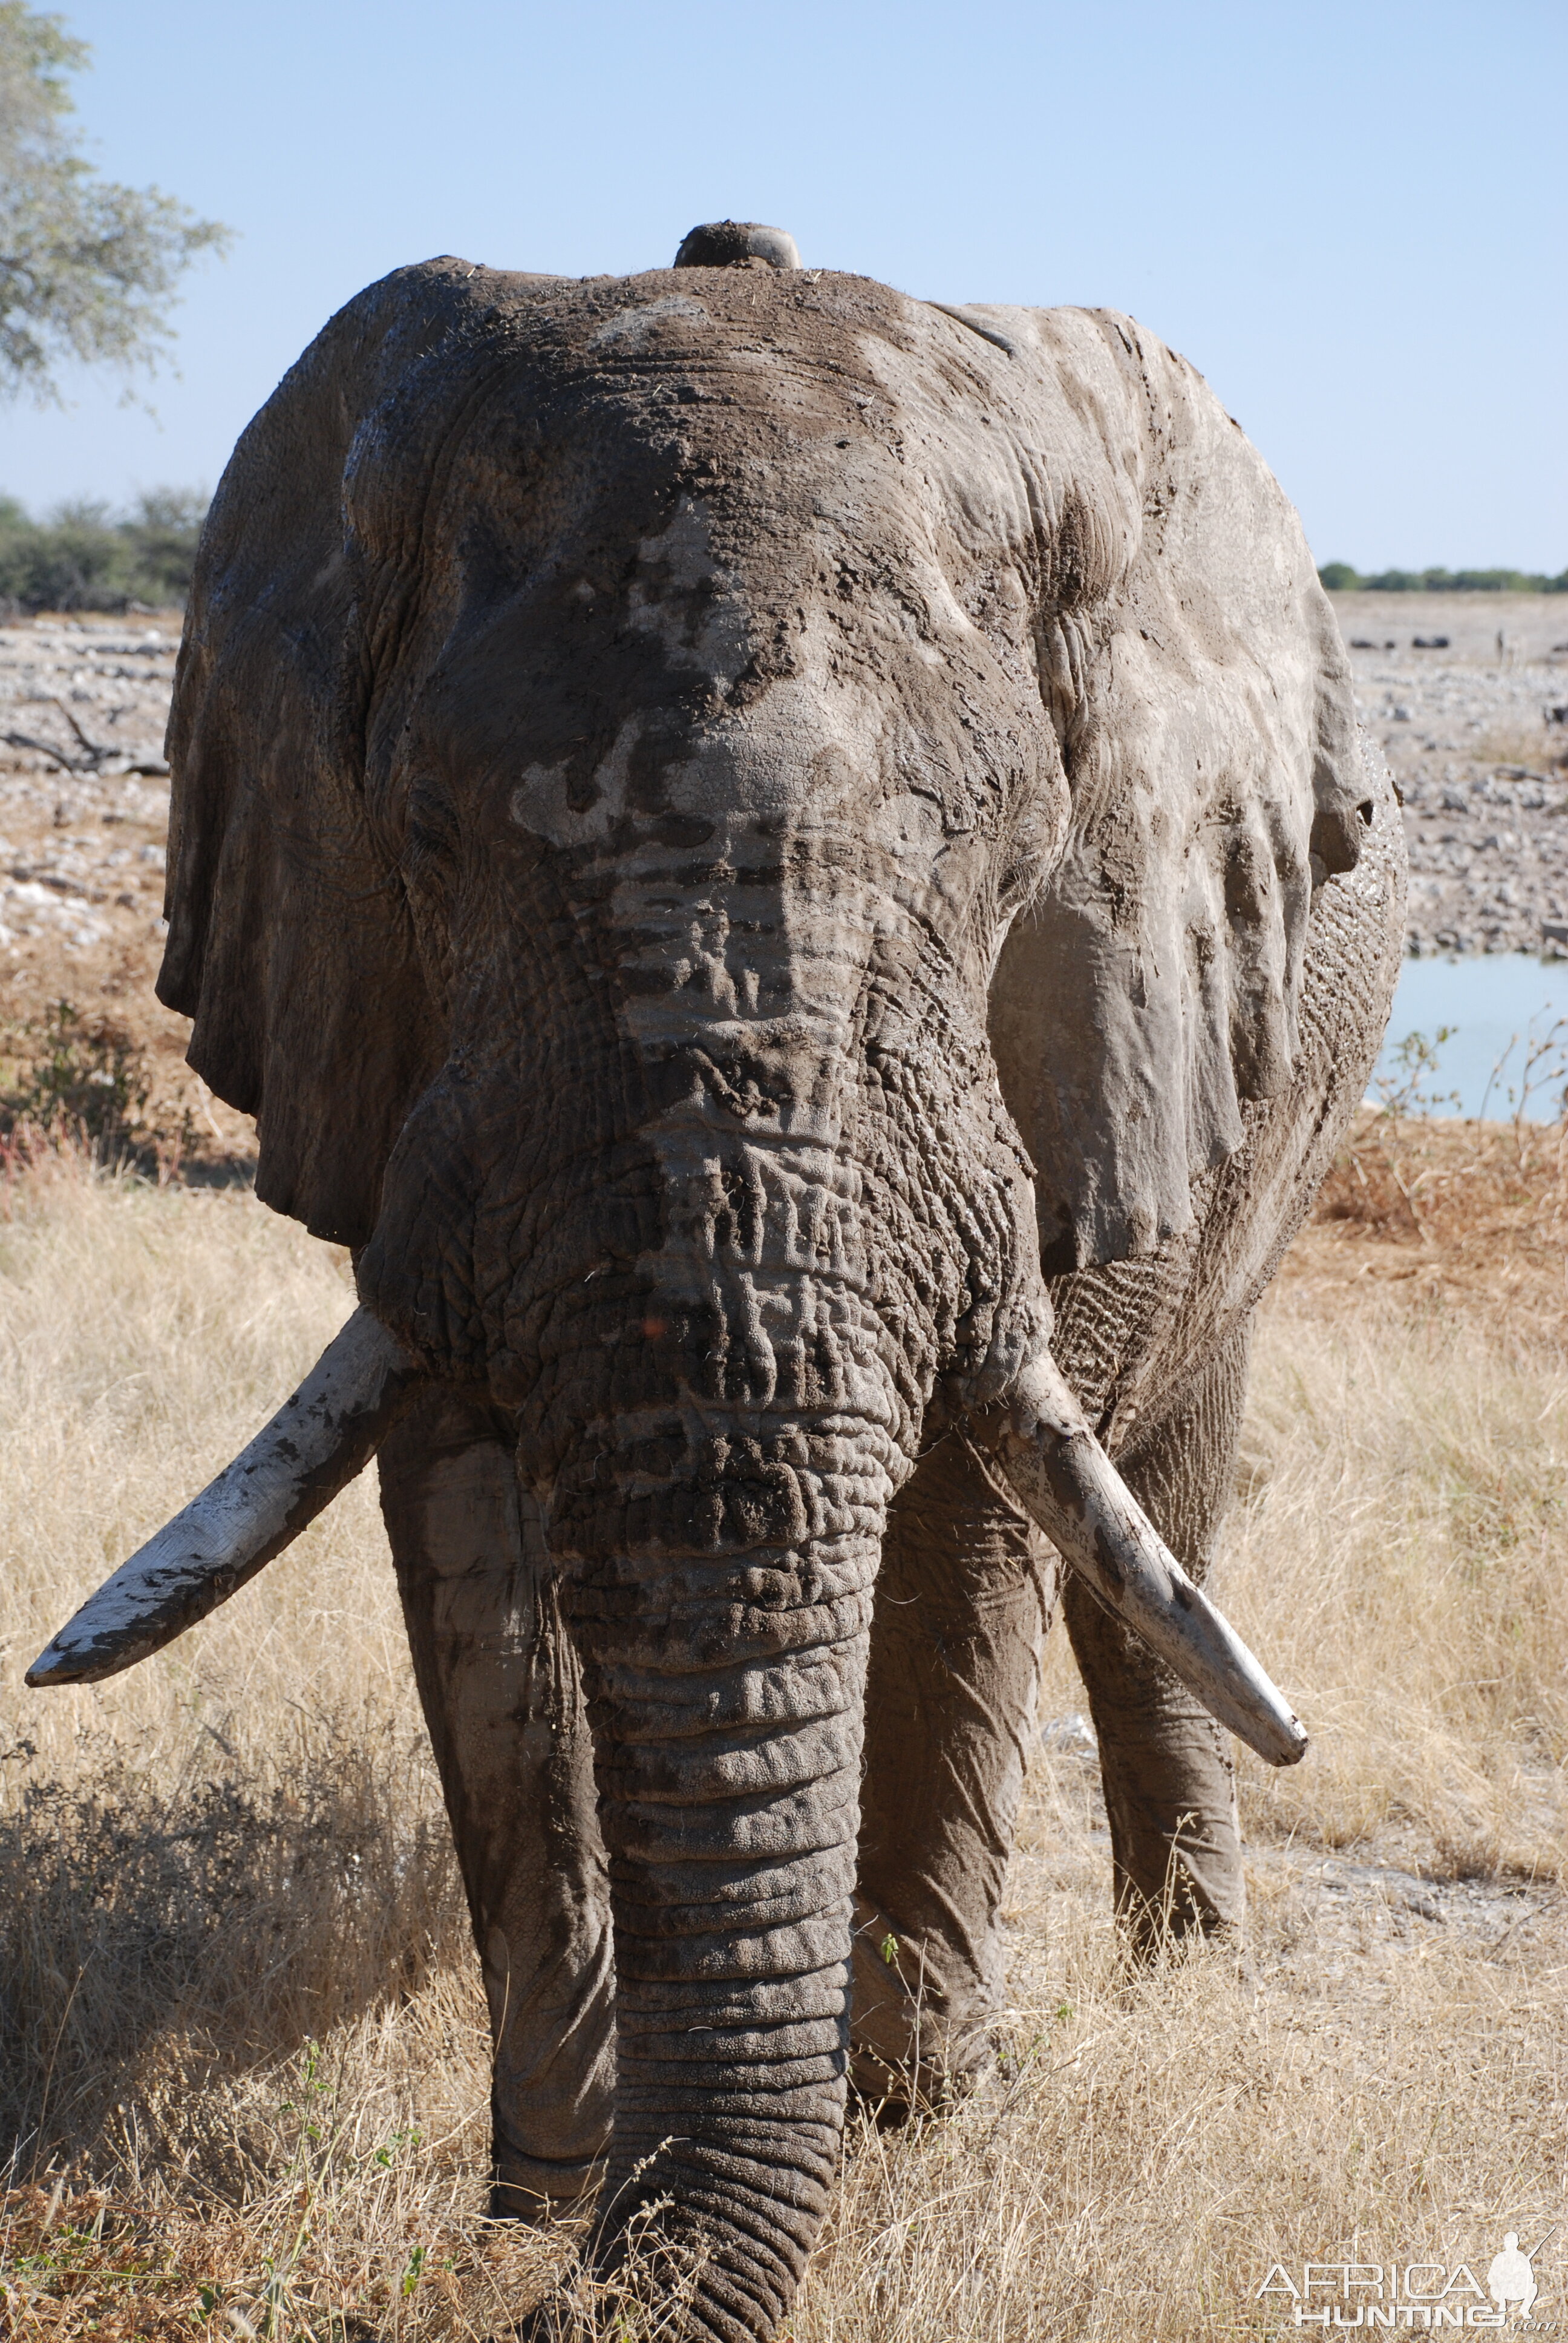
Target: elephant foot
{"x":1152,"y":1936}
{"x":1200,"y":1900}
{"x":920,"y":2033}
{"x":543,"y":2324}
{"x":653,"y":2292}
{"x":527,"y":2189}
{"x":927,"y":2073}
{"x":891,"y":2089}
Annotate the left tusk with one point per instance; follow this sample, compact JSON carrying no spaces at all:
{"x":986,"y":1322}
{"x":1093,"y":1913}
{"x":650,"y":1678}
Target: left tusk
{"x":292,"y":1470}
{"x":1069,"y":1484}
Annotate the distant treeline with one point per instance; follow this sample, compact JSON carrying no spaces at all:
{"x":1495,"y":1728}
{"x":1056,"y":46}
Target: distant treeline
{"x":85,"y":556}
{"x":1341,"y":579}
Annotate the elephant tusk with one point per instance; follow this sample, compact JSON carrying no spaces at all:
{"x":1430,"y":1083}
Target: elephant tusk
{"x":1069,"y":1484}
{"x":292,"y":1470}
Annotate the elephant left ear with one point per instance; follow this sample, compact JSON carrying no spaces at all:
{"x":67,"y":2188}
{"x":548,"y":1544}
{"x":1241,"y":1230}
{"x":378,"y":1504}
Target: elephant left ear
{"x":290,"y":942}
{"x":1203,"y":702}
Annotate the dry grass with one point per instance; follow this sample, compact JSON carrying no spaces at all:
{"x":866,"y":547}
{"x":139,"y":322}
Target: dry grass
{"x":1528,"y":742}
{"x":1454,"y":1223}
{"x":241,"y":2042}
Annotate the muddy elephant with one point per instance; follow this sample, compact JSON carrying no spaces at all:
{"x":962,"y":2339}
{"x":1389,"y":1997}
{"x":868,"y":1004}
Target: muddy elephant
{"x":792,"y":869}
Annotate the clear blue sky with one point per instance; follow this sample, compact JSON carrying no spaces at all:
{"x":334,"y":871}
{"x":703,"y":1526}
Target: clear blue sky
{"x":1351,"y":218}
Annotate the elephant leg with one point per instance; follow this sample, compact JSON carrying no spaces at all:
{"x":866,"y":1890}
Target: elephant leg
{"x":964,"y":1597}
{"x":499,"y":1681}
{"x":1170,"y":1783}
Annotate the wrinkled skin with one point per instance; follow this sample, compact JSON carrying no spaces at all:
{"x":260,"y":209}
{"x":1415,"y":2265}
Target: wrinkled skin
{"x":752,"y":849}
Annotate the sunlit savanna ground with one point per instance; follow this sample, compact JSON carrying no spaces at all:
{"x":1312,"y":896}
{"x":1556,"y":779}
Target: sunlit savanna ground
{"x":241,"y":2042}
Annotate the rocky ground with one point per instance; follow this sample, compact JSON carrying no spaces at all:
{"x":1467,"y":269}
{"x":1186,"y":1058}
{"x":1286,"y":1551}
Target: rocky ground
{"x":1467,"y":693}
{"x":84,"y":789}
{"x":83,"y":818}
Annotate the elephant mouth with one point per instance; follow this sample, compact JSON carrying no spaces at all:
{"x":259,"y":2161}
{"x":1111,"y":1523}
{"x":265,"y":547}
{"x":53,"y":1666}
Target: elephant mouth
{"x":328,"y":1428}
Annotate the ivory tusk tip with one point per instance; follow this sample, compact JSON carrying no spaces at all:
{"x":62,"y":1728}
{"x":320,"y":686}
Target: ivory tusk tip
{"x":55,"y":1667}
{"x":73,"y":1660}
{"x":1066,"y":1481}
{"x":316,"y":1443}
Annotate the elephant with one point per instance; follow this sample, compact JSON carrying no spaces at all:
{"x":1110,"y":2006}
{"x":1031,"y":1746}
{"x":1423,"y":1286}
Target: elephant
{"x":792,"y":869}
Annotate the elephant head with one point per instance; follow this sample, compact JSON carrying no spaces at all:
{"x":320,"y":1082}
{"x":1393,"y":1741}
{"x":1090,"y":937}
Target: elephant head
{"x":646,"y":750}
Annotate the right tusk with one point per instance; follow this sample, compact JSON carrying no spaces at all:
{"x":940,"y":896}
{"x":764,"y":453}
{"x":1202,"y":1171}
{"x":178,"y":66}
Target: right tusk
{"x":292,"y":1470}
{"x":1079,"y":1500}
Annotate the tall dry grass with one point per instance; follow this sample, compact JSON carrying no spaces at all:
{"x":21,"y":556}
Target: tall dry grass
{"x":241,"y":2055}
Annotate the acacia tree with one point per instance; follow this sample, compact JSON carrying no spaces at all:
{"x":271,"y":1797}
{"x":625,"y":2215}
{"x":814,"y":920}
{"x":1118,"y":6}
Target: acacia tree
{"x":87,"y":267}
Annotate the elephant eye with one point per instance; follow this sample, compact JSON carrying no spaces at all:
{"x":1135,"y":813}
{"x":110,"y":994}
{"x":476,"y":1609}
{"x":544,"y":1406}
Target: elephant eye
{"x":430,"y":834}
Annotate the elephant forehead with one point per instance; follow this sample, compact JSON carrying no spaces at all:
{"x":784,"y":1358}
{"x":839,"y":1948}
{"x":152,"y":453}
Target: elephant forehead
{"x":661,"y":510}
{"x":682,"y":593}
{"x":802,"y":763}
{"x":688,"y":689}
{"x":593,"y":409}
{"x":714,"y":596}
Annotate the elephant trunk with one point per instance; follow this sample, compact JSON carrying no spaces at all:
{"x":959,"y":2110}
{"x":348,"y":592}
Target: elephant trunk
{"x":722,"y":1609}
{"x":729,"y":1807}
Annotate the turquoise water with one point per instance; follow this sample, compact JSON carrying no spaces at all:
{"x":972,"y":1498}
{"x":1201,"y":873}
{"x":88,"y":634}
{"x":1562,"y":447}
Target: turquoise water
{"x":1491,"y":1003}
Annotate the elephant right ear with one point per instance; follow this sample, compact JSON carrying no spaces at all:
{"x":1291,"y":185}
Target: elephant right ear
{"x":1145,"y":1009}
{"x":290,"y":943}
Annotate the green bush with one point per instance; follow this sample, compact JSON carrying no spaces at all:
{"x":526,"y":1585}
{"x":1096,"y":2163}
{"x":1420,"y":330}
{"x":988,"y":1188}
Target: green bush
{"x":86,"y":558}
{"x":1340,"y":578}
{"x":78,"y":1079}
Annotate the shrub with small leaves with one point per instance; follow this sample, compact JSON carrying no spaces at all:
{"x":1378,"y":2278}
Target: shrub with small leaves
{"x":82,"y":1080}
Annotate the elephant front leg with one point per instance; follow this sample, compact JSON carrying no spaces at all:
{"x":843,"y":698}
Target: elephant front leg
{"x":1170,"y":1781}
{"x":499,"y":1681}
{"x":964,"y":1597}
